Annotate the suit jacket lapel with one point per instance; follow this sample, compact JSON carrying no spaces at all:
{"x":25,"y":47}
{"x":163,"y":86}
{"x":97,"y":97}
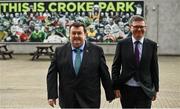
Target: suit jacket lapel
{"x":85,"y":57}
{"x":70,"y":60}
{"x":144,"y":50}
{"x":130,"y":50}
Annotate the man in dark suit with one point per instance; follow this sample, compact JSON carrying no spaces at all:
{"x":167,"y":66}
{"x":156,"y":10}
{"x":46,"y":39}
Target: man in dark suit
{"x":135,"y":72}
{"x":79,"y":66}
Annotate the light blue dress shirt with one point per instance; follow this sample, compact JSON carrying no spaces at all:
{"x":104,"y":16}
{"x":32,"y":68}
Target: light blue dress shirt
{"x":132,"y":82}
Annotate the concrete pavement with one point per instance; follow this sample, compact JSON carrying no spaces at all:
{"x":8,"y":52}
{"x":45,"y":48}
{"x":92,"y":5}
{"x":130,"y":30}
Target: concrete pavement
{"x":23,"y":83}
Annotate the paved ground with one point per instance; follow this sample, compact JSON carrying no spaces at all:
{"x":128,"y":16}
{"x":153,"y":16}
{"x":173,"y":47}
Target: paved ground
{"x":23,"y":83}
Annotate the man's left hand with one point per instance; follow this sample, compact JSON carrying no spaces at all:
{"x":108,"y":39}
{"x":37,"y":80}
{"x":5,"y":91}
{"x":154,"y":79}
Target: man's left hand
{"x":154,"y":97}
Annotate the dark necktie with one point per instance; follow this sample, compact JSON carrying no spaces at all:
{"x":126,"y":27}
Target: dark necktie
{"x":137,"y":52}
{"x":77,"y":60}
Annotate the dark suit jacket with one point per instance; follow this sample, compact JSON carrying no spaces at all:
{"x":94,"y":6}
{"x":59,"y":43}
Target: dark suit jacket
{"x":146,"y":72}
{"x":84,"y":87}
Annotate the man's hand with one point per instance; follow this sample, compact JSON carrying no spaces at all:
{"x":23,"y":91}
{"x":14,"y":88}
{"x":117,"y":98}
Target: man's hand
{"x":52,"y":102}
{"x":117,"y":93}
{"x":154,"y":97}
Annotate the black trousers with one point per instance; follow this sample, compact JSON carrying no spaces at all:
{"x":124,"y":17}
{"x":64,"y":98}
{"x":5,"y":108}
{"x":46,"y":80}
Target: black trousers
{"x":134,"y":97}
{"x":73,"y":104}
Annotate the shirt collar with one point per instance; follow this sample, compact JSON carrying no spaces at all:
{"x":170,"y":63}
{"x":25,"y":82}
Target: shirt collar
{"x":81,"y":47}
{"x":141,"y":40}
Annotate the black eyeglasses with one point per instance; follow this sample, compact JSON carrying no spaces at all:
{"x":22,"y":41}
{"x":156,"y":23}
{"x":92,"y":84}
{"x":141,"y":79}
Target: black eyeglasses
{"x":137,"y":27}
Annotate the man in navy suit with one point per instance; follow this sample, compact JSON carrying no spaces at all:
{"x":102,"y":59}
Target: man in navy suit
{"x":77,"y":68}
{"x":135,"y":72}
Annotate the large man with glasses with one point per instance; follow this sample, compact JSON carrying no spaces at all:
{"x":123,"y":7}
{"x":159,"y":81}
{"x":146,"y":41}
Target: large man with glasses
{"x":135,"y":71}
{"x":79,"y":67}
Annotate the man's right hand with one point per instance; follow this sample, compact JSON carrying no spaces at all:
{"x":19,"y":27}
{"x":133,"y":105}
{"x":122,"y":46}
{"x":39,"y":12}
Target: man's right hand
{"x":117,"y":93}
{"x":52,"y":102}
